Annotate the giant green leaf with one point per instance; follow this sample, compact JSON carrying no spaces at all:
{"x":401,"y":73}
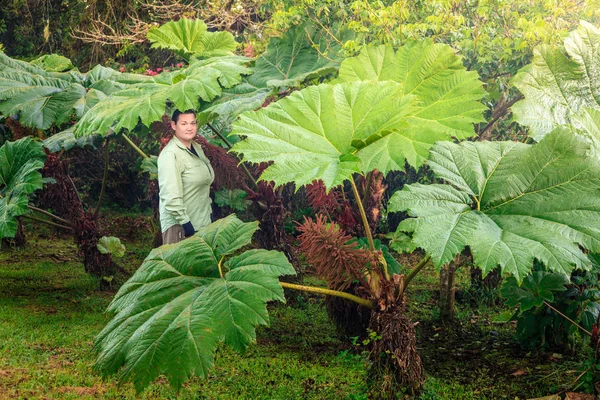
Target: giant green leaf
{"x":560,"y":82}
{"x":147,"y":101}
{"x":448,"y":94}
{"x":587,"y":123}
{"x":319,"y":132}
{"x":424,"y":95}
{"x":20,"y":163}
{"x":44,"y":106}
{"x":173,"y":311}
{"x":8,"y":64}
{"x":189,"y":37}
{"x":289,"y":61}
{"x":43,"y":99}
{"x":53,"y":63}
{"x":66,"y":140}
{"x":233,"y":102}
{"x":510,"y":203}
{"x":294,"y":58}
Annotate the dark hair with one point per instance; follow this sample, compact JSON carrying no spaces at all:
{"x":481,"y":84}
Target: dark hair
{"x":177,"y":113}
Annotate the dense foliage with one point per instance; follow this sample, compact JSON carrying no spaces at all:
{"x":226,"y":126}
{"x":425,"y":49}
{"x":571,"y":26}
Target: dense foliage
{"x":334,"y":105}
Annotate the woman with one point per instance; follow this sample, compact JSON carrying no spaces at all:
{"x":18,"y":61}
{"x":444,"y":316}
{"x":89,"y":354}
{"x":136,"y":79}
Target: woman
{"x":184,"y":179}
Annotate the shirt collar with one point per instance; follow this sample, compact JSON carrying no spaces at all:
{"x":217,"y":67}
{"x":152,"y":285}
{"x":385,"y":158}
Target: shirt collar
{"x":179,"y":144}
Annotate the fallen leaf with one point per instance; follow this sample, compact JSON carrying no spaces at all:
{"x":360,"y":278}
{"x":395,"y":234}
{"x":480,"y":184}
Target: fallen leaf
{"x":520,"y":372}
{"x":579,"y":396}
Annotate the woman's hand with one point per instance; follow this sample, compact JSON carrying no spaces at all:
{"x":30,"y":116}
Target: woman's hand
{"x":188,"y":229}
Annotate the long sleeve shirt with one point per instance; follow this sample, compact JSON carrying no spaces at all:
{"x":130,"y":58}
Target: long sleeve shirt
{"x":184,"y":181}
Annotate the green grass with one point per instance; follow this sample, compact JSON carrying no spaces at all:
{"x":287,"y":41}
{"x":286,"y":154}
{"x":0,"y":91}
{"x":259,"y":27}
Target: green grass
{"x":51,"y":310}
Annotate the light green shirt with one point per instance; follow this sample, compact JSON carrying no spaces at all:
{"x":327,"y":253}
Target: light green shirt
{"x":184,"y":186}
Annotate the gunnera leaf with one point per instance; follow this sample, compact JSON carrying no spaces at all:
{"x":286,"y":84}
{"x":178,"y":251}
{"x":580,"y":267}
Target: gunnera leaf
{"x":560,"y":84}
{"x":327,"y":132}
{"x":189,"y":37}
{"x":20,"y":165}
{"x":510,"y":203}
{"x":146,"y":102}
{"x":187,"y":297}
{"x":447,"y":94}
{"x":316,"y":133}
{"x":302,"y":54}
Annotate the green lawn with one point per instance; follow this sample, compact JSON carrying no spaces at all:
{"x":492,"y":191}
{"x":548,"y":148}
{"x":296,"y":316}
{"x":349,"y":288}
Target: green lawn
{"x":50,"y":311}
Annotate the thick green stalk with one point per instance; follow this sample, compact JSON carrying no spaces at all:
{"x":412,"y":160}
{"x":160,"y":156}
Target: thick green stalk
{"x":367,"y":190}
{"x":45,"y":221}
{"x":104,"y":180}
{"x":229,"y":145}
{"x":363,"y":302}
{"x":140,"y":152}
{"x":365,"y":221}
{"x":220,"y":135}
{"x":415,"y":271}
{"x":64,"y":221}
{"x":363,"y":215}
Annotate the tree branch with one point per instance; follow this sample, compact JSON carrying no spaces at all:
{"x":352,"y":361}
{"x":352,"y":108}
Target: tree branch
{"x":498,"y":113}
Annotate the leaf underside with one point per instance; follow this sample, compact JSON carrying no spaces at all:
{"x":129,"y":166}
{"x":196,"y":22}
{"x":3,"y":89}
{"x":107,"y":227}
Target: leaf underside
{"x":328,"y":132}
{"x":43,"y":99}
{"x":146,"y":102}
{"x":510,"y":203}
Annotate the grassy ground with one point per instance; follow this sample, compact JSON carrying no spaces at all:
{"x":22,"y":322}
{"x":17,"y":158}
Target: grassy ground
{"x":50,"y":311}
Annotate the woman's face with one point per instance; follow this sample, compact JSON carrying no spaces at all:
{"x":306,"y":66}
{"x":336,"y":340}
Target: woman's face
{"x":185,"y":128}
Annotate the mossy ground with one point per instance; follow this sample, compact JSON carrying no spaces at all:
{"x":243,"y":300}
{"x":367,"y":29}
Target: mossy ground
{"x":50,"y":311}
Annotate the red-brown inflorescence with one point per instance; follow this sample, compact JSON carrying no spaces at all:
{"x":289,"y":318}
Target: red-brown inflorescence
{"x":335,"y":206}
{"x":374,"y":200}
{"x":336,"y":259}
